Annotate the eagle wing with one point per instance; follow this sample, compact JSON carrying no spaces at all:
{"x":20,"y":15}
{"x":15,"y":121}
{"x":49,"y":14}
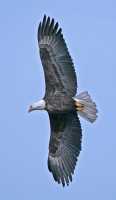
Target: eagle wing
{"x":57,"y":63}
{"x":64,"y":145}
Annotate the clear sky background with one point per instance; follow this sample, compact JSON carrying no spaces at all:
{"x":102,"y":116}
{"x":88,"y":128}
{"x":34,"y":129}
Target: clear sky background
{"x":89,"y":28}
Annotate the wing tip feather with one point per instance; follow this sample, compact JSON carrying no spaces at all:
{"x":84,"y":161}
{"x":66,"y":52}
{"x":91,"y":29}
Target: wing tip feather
{"x":48,"y":27}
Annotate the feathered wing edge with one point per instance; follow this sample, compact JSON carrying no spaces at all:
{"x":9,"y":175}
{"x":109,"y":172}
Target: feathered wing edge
{"x":56,"y":60}
{"x":64,"y":146}
{"x":48,"y":27}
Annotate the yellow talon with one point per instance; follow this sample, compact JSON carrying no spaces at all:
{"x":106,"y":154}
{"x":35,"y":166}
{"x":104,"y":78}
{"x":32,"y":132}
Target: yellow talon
{"x":79,"y":106}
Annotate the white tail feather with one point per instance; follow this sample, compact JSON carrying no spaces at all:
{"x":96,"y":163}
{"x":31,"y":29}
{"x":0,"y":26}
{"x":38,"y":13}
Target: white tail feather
{"x":88,"y":108}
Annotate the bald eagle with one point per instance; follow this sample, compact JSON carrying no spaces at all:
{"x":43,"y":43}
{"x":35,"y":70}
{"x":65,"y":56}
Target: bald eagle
{"x":61,"y":102}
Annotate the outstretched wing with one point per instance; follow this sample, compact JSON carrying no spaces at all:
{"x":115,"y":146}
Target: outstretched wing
{"x":57,"y":63}
{"x":64,"y":146}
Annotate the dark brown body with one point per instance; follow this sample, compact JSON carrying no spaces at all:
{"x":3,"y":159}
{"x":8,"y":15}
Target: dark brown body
{"x":59,"y":104}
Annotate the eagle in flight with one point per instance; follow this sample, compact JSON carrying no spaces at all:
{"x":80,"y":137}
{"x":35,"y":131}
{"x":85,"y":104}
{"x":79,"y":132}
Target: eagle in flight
{"x":61,"y":102}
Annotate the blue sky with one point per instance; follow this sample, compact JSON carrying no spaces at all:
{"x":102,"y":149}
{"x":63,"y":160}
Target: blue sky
{"x":89,"y":28}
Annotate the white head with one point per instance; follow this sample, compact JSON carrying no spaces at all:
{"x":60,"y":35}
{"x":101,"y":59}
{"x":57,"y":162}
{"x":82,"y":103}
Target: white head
{"x":39,"y":105}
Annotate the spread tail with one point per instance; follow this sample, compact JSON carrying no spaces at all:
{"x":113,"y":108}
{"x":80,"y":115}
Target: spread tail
{"x":85,"y":106}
